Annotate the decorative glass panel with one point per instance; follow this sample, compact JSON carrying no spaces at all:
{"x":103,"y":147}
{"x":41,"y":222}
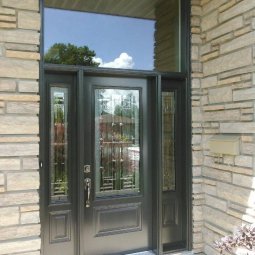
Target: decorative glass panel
{"x":59,"y":144}
{"x":117,"y":145}
{"x":168,"y":133}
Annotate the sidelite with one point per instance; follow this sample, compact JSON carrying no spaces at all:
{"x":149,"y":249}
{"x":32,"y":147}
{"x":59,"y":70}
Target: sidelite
{"x":117,"y":141}
{"x":59,"y":144}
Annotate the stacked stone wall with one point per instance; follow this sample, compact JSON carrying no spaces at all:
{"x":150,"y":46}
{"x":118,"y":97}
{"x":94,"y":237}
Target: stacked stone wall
{"x":223,"y":94}
{"x":19,"y":127}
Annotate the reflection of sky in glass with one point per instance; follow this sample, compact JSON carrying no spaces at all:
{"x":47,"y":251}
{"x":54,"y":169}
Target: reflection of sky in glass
{"x":118,"y":42}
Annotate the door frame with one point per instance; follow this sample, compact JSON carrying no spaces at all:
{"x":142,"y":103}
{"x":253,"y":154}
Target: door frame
{"x":79,"y":72}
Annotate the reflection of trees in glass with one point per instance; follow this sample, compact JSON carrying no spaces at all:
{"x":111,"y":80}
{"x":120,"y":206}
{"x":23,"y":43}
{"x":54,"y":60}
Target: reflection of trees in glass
{"x":70,"y":54}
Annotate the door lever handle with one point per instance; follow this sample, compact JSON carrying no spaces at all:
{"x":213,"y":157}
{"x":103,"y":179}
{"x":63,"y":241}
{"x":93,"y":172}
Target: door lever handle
{"x":87,"y":184}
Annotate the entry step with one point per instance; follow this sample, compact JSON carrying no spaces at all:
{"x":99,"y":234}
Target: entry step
{"x":152,"y":253}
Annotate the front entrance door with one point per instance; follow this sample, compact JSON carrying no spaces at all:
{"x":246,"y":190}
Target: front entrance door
{"x":116,"y":193}
{"x":105,"y":138}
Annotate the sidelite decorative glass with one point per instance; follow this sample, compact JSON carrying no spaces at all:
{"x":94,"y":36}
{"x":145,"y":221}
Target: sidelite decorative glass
{"x":117,"y":141}
{"x":59,"y":144}
{"x":168,"y":140}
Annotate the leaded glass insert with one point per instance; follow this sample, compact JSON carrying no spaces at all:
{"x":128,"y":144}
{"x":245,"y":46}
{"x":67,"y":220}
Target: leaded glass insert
{"x":117,"y":141}
{"x":168,"y":140}
{"x":59,"y":144}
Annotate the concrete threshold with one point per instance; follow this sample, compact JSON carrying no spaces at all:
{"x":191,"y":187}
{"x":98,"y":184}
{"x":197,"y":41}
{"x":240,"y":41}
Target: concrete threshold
{"x":152,"y":253}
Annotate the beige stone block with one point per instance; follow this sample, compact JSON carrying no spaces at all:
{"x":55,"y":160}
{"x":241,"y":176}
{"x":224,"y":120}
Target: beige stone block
{"x":229,"y":80}
{"x":19,"y":139}
{"x":236,"y":72}
{"x":19,"y":36}
{"x":197,"y":158}
{"x":244,"y":94}
{"x":30,"y":217}
{"x":210,"y":56}
{"x":216,"y":202}
{"x":213,"y":107}
{"x":244,"y":161}
{"x":9,"y":216}
{"x":216,"y":174}
{"x":242,"y":31}
{"x":196,"y":39}
{"x":7,"y":11}
{"x":227,"y":62}
{"x":28,"y":86}
{"x":30,"y":163}
{"x":222,"y":39}
{"x":17,"y":4}
{"x":21,"y":47}
{"x":20,"y":245}
{"x":196,"y":188}
{"x":196,"y":10}
{"x":194,"y":53}
{"x":229,"y":115}
{"x":220,"y":95}
{"x":224,"y":221}
{"x":209,"y":250}
{"x":22,"y":181}
{"x":2,"y":181}
{"x":225,"y":28}
{"x":19,"y":125}
{"x":197,"y":213}
{"x":29,"y":20}
{"x":14,"y":150}
{"x":244,"y":180}
{"x":7,"y":164}
{"x":237,"y":43}
{"x":29,"y":208}
{"x":248,"y":148}
{"x":19,"y":198}
{"x":209,"y":21}
{"x":196,"y":114}
{"x":226,"y":6}
{"x":13,"y":68}
{"x":209,"y":82}
{"x":22,"y":55}
{"x":7,"y":25}
{"x":8,"y":18}
{"x":235,"y":194}
{"x":22,"y":108}
{"x":19,"y":97}
{"x":19,"y":232}
{"x":238,"y":9}
{"x":238,"y":105}
{"x":212,"y":5}
{"x":7,"y":86}
{"x":196,"y":171}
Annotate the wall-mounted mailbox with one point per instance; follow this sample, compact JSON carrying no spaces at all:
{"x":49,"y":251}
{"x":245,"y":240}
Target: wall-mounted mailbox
{"x":225,"y":144}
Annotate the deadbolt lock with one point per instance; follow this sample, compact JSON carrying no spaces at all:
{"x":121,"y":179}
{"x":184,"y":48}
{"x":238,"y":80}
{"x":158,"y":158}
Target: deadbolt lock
{"x":87,"y":169}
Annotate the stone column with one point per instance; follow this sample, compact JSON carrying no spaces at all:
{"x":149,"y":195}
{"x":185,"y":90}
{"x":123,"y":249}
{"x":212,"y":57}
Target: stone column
{"x":19,"y":127}
{"x":223,"y":50}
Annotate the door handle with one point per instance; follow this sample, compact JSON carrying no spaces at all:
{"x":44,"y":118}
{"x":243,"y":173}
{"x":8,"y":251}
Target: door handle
{"x":87,"y":184}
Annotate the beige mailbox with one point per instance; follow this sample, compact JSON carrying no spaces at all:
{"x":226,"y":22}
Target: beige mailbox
{"x":225,"y":144}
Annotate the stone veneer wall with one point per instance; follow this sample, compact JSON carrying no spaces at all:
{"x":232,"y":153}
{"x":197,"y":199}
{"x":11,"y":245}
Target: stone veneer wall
{"x":19,"y":127}
{"x":223,"y":94}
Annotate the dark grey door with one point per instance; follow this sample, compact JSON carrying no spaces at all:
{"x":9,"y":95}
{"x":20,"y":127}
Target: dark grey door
{"x":116,"y":192}
{"x":174,"y":198}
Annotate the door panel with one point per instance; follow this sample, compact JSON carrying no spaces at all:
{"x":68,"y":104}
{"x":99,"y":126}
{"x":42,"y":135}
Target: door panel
{"x":117,"y":213}
{"x":59,"y":201}
{"x":174,"y":212}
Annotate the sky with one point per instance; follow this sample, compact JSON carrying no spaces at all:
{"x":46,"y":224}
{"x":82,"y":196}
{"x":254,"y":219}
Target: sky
{"x":118,"y":42}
